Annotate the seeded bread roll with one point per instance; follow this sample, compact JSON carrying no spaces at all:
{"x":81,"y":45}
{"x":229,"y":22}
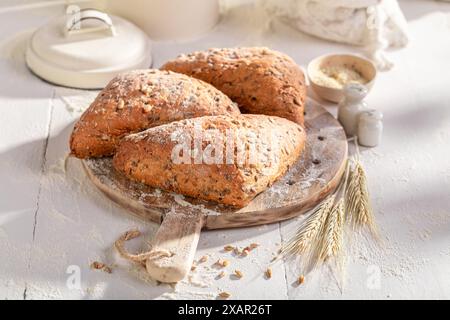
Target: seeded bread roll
{"x":260,"y":80}
{"x":224,"y":159}
{"x":141,"y":99}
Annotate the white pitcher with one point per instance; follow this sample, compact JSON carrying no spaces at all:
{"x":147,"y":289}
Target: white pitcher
{"x":168,"y":19}
{"x":351,"y":106}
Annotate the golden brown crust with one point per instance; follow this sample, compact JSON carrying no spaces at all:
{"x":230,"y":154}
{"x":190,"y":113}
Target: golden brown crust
{"x":260,"y":80}
{"x":141,"y":99}
{"x":271,"y":146}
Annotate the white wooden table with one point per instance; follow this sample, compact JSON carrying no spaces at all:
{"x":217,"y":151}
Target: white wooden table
{"x":54,"y":224}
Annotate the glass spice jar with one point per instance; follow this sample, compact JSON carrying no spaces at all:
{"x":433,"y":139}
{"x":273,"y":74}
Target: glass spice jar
{"x":370,"y":128}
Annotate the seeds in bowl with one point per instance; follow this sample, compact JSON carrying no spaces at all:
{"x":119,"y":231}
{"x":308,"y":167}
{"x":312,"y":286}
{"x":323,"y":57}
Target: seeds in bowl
{"x":338,"y":76}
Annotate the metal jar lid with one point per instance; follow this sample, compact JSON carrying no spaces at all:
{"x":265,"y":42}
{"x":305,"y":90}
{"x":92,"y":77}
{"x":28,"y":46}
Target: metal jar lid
{"x":87,"y":50}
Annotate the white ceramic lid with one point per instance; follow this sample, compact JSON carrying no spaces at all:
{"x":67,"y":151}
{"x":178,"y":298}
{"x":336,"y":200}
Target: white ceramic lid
{"x":89,"y":52}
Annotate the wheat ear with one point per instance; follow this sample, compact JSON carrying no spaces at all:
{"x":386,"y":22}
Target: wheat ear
{"x":309,"y":230}
{"x":358,"y":201}
{"x":331,"y":244}
{"x":331,"y":241}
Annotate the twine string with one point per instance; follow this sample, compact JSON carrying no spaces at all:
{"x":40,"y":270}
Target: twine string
{"x":141,"y":258}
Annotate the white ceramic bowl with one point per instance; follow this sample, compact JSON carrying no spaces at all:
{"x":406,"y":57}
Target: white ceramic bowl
{"x":362,"y":65}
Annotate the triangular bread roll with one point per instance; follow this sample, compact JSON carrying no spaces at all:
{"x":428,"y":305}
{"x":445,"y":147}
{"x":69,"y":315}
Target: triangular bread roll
{"x":225,"y":159}
{"x":260,"y":80}
{"x":141,"y":99}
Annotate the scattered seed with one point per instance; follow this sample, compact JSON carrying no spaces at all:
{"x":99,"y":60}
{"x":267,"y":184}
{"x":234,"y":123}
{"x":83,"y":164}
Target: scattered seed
{"x":101,"y":266}
{"x":147,"y":107}
{"x":237,"y":251}
{"x":222,"y":263}
{"x":245,"y":252}
{"x":253,"y":246}
{"x":224,"y":295}
{"x":238,"y":274}
{"x":107,"y":269}
{"x":97,"y":265}
{"x":228,"y":248}
{"x":268,"y":273}
{"x":301,"y":279}
{"x":221,"y":274}
{"x":203,"y":259}
{"x":193,"y":267}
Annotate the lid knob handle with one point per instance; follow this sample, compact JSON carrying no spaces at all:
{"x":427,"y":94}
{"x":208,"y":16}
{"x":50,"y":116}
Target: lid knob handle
{"x":76,"y":16}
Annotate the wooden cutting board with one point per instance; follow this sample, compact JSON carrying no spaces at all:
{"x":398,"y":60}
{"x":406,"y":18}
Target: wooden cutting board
{"x":313,"y":177}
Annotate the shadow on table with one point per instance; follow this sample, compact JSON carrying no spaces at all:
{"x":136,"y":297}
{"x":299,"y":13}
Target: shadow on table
{"x":424,"y":213}
{"x":83,"y":206}
{"x":415,"y":9}
{"x":20,"y":83}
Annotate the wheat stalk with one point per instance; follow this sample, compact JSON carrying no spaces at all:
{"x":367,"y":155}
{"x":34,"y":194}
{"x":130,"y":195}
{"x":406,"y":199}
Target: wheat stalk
{"x":309,"y":230}
{"x":320,"y":235}
{"x":358,"y":201}
{"x":331,"y":240}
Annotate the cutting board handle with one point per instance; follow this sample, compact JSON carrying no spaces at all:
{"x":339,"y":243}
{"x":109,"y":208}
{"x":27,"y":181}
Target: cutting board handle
{"x":174,"y":245}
